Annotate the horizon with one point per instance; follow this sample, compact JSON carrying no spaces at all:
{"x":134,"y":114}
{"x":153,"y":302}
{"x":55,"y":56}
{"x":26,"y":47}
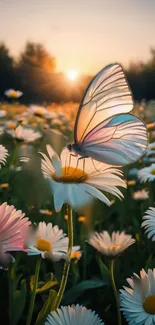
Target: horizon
{"x":78,"y":37}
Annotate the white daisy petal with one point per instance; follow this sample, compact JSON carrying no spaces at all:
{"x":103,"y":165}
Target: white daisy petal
{"x":81,"y":179}
{"x":49,"y":242}
{"x":141,"y":311}
{"x":149,"y":223}
{"x":147,"y":174}
{"x":3,"y":154}
{"x":11,"y":93}
{"x":73,"y":315}
{"x":112,"y":245}
{"x":24,"y":134}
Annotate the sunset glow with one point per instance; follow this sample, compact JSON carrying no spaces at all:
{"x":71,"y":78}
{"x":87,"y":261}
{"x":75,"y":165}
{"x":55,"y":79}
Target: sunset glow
{"x":72,"y":74}
{"x":78,"y":37}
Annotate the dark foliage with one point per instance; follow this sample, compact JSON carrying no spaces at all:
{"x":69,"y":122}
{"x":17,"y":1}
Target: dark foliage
{"x":34,"y":73}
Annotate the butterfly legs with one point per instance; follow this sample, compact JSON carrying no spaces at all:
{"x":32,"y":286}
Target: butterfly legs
{"x":80,"y":159}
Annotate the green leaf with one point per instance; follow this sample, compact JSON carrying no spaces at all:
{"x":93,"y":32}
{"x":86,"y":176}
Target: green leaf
{"x":47,"y":308}
{"x":104,"y":270}
{"x":43,"y":286}
{"x":47,"y":286}
{"x":76,"y":291}
{"x":19,"y":303}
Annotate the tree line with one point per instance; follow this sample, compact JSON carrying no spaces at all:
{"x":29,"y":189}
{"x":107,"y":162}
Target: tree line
{"x":34,"y":73}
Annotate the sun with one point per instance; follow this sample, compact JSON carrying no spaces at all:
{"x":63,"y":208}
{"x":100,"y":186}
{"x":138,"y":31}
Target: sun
{"x":72,"y":74}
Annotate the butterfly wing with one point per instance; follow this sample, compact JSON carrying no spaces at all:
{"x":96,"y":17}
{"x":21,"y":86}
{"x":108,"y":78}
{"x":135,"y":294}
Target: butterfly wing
{"x":119,"y":140}
{"x":107,"y":95}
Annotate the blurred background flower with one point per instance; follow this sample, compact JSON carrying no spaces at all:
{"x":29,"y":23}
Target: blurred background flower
{"x":111,"y":246}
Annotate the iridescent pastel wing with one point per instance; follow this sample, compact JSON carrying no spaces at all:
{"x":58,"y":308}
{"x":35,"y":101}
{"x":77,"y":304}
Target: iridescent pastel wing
{"x":107,"y":95}
{"x":119,"y":140}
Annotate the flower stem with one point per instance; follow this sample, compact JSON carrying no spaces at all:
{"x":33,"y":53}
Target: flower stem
{"x":119,"y":320}
{"x":33,"y":294}
{"x":67,"y":262}
{"x":10,"y":292}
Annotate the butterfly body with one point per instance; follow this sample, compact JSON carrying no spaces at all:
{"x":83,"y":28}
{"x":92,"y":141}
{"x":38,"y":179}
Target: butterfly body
{"x":105,"y":130}
{"x":75,"y":148}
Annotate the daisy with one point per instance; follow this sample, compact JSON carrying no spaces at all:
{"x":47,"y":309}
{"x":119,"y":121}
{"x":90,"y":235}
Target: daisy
{"x":76,"y":253}
{"x":138,"y":302}
{"x":75,"y":315}
{"x":56,"y":121}
{"x":41,"y":112}
{"x":113,"y":245}
{"x":37,"y":110}
{"x":49,"y":241}
{"x":147,"y":174}
{"x":24,"y":134}
{"x":149,"y":223}
{"x":11,"y":124}
{"x":150,"y":149}
{"x":14,"y":228}
{"x":76,"y":181}
{"x":148,"y":160}
{"x":2,"y":113}
{"x":3,"y":154}
{"x":46,"y":211}
{"x":11,"y":93}
{"x":82,"y":219}
{"x":141,"y":195}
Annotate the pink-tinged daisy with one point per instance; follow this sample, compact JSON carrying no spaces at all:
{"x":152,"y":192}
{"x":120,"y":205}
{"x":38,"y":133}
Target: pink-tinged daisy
{"x":14,"y":229}
{"x":2,"y":113}
{"x":11,"y":93}
{"x":149,"y":223}
{"x":48,"y":241}
{"x":113,"y":245}
{"x":73,"y":315}
{"x":141,"y":195}
{"x":24,"y":134}
{"x":3,"y":154}
{"x":77,"y":181}
{"x":138,"y":301}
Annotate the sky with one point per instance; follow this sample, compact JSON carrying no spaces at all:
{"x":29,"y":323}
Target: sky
{"x":82,"y":34}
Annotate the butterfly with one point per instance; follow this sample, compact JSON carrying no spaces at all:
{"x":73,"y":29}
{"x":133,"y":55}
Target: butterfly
{"x":104,"y":128}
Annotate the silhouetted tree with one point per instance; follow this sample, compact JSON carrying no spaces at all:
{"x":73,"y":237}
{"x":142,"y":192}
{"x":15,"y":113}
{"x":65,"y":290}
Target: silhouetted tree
{"x":7,"y":71}
{"x":141,"y":78}
{"x":34,"y":73}
{"x":35,"y":70}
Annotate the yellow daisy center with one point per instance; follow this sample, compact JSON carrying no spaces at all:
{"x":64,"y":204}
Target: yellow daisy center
{"x":114,"y":247}
{"x":76,"y":255}
{"x":71,"y":175}
{"x":11,"y":125}
{"x":153,"y":172}
{"x":149,"y":305}
{"x":4,"y":185}
{"x":66,"y":217}
{"x":13,"y":94}
{"x":82,"y":219}
{"x":39,"y":112}
{"x":43,"y":245}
